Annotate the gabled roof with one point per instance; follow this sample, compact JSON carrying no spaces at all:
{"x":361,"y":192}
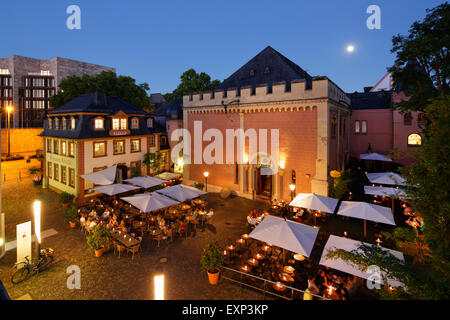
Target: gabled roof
{"x":167,"y":110}
{"x":267,"y":67}
{"x":98,"y":103}
{"x":370,"y":100}
{"x":157,"y":99}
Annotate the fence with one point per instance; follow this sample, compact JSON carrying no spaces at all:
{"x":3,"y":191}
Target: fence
{"x":264,"y":285}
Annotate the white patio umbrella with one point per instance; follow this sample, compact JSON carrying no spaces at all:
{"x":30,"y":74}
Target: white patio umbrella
{"x":366,"y":211}
{"x":315,"y":202}
{"x":390,"y":178}
{"x":290,"y":235}
{"x":146,"y":181}
{"x":181,"y":192}
{"x":114,"y":189}
{"x":102,"y":177}
{"x":374,"y":156}
{"x":385,"y":191}
{"x":147,"y":202}
{"x":335,"y":242}
{"x":168,"y":175}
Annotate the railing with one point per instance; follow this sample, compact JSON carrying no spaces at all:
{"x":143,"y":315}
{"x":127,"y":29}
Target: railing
{"x":266,"y":284}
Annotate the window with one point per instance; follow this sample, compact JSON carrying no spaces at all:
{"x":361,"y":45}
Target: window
{"x":98,"y":124}
{"x":119,"y":147}
{"x":63,"y":174}
{"x":357,"y":127}
{"x":49,"y":169}
{"x":56,"y":123}
{"x":49,"y":145}
{"x":135,"y":145}
{"x":71,"y":149}
{"x":364,"y":126}
{"x":421,"y":118}
{"x":163,"y":140}
{"x":55,"y":146}
{"x":149,"y":123}
{"x":333,"y":127}
{"x":135,"y":123}
{"x":64,"y":148}
{"x":252,"y":72}
{"x":50,"y":122}
{"x":116,"y":124}
{"x":152,"y":141}
{"x":72,"y":177}
{"x":123,"y":124}
{"x":64,"y":123}
{"x":99,"y":149}
{"x":56,"y":172}
{"x":407,"y":119}
{"x":414,"y":140}
{"x":72,"y":123}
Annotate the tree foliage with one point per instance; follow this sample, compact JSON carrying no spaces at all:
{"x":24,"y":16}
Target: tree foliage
{"x":421,"y":68}
{"x":340,"y":185}
{"x":191,"y":82}
{"x":106,"y":82}
{"x":153,"y":160}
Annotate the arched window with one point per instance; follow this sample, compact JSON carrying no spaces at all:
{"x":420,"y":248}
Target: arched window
{"x":414,"y":140}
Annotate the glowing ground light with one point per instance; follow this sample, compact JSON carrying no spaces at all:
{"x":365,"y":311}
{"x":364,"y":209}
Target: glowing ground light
{"x":350,"y":48}
{"x":37,"y":220}
{"x":159,"y":287}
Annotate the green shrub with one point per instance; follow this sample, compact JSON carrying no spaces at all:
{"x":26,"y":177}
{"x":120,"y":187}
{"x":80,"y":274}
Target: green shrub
{"x":66,"y":197}
{"x":212,"y":258}
{"x":71,"y":214}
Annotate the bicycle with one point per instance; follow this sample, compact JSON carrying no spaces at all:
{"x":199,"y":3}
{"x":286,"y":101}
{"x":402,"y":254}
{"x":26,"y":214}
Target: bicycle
{"x":22,"y":270}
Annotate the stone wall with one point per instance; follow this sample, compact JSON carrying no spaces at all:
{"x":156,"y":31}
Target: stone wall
{"x":22,"y":140}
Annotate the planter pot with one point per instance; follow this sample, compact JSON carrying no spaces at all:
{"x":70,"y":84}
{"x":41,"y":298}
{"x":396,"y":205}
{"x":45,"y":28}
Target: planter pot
{"x":99,"y":252}
{"x":72,"y":224}
{"x":214,"y":276}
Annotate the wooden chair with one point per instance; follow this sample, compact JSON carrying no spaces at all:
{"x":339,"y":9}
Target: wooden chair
{"x":159,"y":238}
{"x":135,"y":249}
{"x":118,"y":248}
{"x":169,"y":234}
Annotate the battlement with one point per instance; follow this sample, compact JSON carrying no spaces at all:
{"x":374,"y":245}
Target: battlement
{"x":322,"y":87}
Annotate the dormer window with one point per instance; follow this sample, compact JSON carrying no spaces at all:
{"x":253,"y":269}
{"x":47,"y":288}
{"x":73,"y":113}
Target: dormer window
{"x":252,"y":72}
{"x":150,"y":123}
{"x":99,"y":124}
{"x":115,"y":124}
{"x":64,"y":124}
{"x":135,"y":123}
{"x":50,"y":123}
{"x":123,"y":124}
{"x":56,"y":123}
{"x":72,"y":123}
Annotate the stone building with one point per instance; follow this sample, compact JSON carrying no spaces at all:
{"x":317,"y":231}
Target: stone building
{"x":270,"y":92}
{"x":28,"y":83}
{"x":93,"y":132}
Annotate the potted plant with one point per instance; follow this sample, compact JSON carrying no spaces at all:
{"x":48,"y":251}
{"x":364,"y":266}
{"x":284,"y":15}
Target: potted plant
{"x":211,"y":260}
{"x":71,"y":215}
{"x":66,"y":198}
{"x":35,"y":172}
{"x":97,"y":240}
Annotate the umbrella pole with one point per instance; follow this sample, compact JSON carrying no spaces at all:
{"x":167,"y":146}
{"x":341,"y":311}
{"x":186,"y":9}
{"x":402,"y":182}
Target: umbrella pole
{"x":364,"y":229}
{"x":392,"y":206}
{"x":284,"y":257}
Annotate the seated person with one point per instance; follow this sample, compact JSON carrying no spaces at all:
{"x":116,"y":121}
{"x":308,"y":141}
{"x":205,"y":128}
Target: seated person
{"x":90,"y":224}
{"x":350,"y":285}
{"x":321,"y":280}
{"x":83,"y":219}
{"x":93,"y":214}
{"x":343,"y":292}
{"x":123,"y":226}
{"x":312,"y":287}
{"x":106,"y":214}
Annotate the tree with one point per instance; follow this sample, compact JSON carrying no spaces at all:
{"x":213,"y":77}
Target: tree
{"x":153,"y":160}
{"x":421,"y":67}
{"x":191,"y":82}
{"x":106,"y":82}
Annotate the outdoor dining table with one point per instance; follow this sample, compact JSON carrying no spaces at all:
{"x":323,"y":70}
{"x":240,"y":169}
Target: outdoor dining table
{"x":155,"y":232}
{"x":299,"y":257}
{"x":259,"y":256}
{"x":138,"y":224}
{"x":252,"y":262}
{"x":124,"y":238}
{"x":198,"y":201}
{"x":185,"y":207}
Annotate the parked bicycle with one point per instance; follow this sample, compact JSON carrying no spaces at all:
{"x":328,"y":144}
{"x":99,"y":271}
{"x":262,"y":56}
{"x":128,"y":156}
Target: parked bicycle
{"x":23,"y":270}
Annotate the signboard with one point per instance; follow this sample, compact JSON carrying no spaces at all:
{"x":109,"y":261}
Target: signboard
{"x":23,"y":241}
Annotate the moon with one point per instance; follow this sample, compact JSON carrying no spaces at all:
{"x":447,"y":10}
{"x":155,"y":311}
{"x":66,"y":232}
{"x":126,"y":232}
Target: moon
{"x":350,"y":48}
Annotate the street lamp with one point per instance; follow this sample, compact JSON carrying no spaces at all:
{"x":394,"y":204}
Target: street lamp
{"x":206,"y":174}
{"x":9,"y":109}
{"x":292,"y":187}
{"x":37,"y":227}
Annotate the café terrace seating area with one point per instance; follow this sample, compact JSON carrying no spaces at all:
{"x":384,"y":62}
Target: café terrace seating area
{"x":134,"y":214}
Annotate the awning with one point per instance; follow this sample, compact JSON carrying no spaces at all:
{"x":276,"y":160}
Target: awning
{"x":366,"y":211}
{"x":335,"y":242}
{"x":147,"y":202}
{"x":314,"y":202}
{"x":168,"y":175}
{"x":102,"y":177}
{"x":114,"y":189}
{"x":385,"y":191}
{"x":374,"y":156}
{"x":146,"y":181}
{"x":181,"y":192}
{"x":290,"y":235}
{"x":390,"y":178}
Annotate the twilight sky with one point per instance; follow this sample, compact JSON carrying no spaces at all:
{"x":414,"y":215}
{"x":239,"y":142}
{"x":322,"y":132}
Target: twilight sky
{"x":155,"y":41}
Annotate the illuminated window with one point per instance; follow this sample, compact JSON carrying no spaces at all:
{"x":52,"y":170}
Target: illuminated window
{"x":414,"y":140}
{"x":49,"y":169}
{"x":63,"y":174}
{"x":49,"y":145}
{"x":364,"y":126}
{"x":71,"y":149}
{"x":71,"y":177}
{"x":55,"y":146}
{"x":116,"y":124}
{"x":50,"y":122}
{"x":98,"y":124}
{"x":56,"y":172}
{"x":64,"y":148}
{"x":56,"y":123}
{"x":135,"y":145}
{"x":72,"y":123}
{"x":123,"y":124}
{"x":119,"y":147}
{"x":64,"y":123}
{"x":357,"y":127}
{"x":99,"y":149}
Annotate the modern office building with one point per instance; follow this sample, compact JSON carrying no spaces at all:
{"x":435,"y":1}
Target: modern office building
{"x":27,"y":84}
{"x":93,"y":132}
